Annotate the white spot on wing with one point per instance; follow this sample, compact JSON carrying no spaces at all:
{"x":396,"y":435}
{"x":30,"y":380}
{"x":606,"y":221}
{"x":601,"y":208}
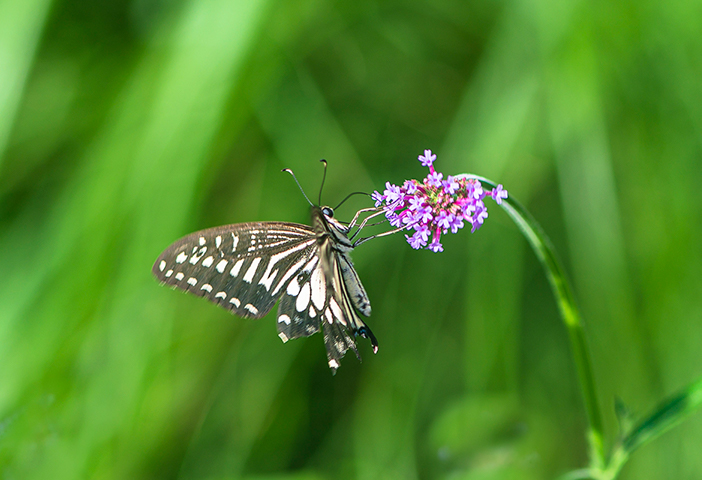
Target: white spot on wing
{"x":202,"y":241}
{"x":182,"y":256}
{"x":303,"y":299}
{"x":222,"y":265}
{"x":336,"y":310}
{"x":179,"y":276}
{"x":319,"y":289}
{"x":279,"y":256}
{"x":284,"y":319}
{"x":218,"y":241}
{"x":313,"y":312}
{"x":329,"y":316}
{"x":248,"y":276}
{"x":291,"y":271}
{"x":208,"y":261}
{"x":251,"y":309}
{"x":196,"y":258}
{"x":237,"y":266}
{"x":207,"y":287}
{"x":312,"y":263}
{"x":267,"y":280}
{"x":162,"y":265}
{"x":221,"y":295}
{"x":168,"y":273}
{"x":192,"y":281}
{"x":293,"y":288}
{"x":283,"y":337}
{"x":235,"y":301}
{"x":268,"y":277}
{"x":235,"y":241}
{"x":333,"y":364}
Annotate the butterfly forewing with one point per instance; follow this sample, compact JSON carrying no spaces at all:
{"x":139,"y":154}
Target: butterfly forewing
{"x":243,"y":267}
{"x":341,"y":318}
{"x":247,"y":267}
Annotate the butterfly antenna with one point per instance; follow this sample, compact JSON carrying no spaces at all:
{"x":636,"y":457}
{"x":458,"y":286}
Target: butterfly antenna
{"x":349,"y":196}
{"x":324,"y":177}
{"x":298,"y":185}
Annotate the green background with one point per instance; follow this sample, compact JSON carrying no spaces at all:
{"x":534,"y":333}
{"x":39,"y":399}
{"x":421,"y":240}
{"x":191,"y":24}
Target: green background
{"x":127,"y":124}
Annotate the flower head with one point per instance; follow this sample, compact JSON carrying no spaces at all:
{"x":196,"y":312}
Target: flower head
{"x":451,"y":186}
{"x":498,"y":194}
{"x":427,"y":159}
{"x":436,"y":246}
{"x":392,"y":193}
{"x":434,"y":179}
{"x":435,"y":206}
{"x":377,"y":198}
{"x":444,"y":220}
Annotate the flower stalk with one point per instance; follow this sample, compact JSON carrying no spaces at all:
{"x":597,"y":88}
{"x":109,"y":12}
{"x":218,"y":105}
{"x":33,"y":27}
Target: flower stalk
{"x":570,"y":314}
{"x":436,"y":206}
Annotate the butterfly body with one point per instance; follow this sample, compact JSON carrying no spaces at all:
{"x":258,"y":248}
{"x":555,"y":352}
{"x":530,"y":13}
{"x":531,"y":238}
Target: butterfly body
{"x":247,"y":267}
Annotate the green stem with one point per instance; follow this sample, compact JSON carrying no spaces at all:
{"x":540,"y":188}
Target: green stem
{"x":668,"y":414}
{"x":571,"y":317}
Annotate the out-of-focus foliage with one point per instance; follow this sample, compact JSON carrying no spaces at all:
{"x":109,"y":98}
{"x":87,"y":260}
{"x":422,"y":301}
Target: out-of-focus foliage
{"x":124,"y":125}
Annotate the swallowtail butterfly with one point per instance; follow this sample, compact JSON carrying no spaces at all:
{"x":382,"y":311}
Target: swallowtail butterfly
{"x":247,"y":267}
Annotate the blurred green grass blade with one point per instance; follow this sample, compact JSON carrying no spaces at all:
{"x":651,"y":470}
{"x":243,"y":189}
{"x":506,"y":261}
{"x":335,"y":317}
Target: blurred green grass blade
{"x":209,"y":44}
{"x":489,"y":133}
{"x":497,"y":106}
{"x":135,"y":187}
{"x":391,"y":400}
{"x":465,"y":426}
{"x":307,"y":475}
{"x":303,"y":130}
{"x":21,"y":27}
{"x":669,"y":414}
{"x":238,"y":409}
{"x":383,"y":428}
{"x":570,"y":314}
{"x":592,"y":215}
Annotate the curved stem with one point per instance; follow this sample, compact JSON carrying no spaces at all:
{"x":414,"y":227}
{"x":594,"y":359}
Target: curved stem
{"x":570,"y":314}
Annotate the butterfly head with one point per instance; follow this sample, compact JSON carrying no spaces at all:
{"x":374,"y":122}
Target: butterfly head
{"x":334,"y":224}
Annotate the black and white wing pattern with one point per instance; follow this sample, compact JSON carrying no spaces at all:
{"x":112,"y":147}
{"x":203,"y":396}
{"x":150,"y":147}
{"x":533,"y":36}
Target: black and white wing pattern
{"x":247,"y":267}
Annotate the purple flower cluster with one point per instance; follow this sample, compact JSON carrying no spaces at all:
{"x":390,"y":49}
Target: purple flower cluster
{"x":435,"y":205}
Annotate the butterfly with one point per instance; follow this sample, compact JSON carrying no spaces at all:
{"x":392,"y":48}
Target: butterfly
{"x":247,"y":267}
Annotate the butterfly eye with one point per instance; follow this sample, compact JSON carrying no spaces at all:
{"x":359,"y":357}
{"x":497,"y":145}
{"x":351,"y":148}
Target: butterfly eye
{"x":328,"y":212}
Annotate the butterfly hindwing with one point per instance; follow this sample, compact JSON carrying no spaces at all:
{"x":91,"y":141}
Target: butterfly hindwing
{"x":243,"y":268}
{"x":319,"y":298}
{"x":297,"y":314}
{"x":355,"y":289}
